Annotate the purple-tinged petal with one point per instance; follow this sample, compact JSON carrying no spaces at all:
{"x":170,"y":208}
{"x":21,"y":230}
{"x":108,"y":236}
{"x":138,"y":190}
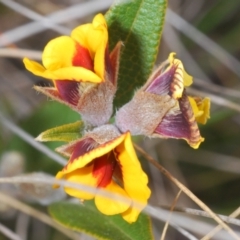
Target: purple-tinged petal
{"x":53,"y":93}
{"x":161,"y":85}
{"x":77,"y":148}
{"x":180,"y":122}
{"x":68,"y":91}
{"x":169,"y":82}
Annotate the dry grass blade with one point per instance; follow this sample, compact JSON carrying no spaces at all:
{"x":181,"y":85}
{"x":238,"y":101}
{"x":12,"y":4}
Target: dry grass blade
{"x":211,"y":159}
{"x":171,"y":210}
{"x":173,"y":40}
{"x":8,"y":233}
{"x":20,"y":53}
{"x":73,"y":12}
{"x":33,"y":15}
{"x":187,"y":192}
{"x":218,"y":228}
{"x":202,"y":40}
{"x":216,"y":99}
{"x":197,"y":212}
{"x":216,"y":88}
{"x":29,"y":139}
{"x":36,"y":214}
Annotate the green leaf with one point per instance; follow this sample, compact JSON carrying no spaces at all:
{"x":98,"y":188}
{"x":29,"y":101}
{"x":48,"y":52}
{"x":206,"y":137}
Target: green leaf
{"x":86,"y":218}
{"x":138,"y":24}
{"x":65,"y":133}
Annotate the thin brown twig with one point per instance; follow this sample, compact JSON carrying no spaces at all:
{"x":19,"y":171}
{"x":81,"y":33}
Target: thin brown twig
{"x":36,"y":214}
{"x":170,"y":214}
{"x":187,"y":192}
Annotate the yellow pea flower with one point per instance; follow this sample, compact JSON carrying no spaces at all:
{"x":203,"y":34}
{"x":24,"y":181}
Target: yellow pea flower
{"x":83,"y":71}
{"x":79,"y":57}
{"x":113,"y":166}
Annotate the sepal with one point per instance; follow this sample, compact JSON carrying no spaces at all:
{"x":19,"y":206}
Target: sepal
{"x":66,"y":133}
{"x":143,"y":113}
{"x":180,"y":123}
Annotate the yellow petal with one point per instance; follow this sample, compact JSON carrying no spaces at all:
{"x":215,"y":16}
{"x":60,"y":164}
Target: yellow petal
{"x":81,"y":176}
{"x":197,"y":112}
{"x":110,"y":206}
{"x":37,"y":69}
{"x":171,"y":57}
{"x":79,"y":34}
{"x":99,"y":61}
{"x":57,"y":59}
{"x":75,"y":73}
{"x":59,"y":53}
{"x":94,"y":37}
{"x":70,"y":73}
{"x":201,"y":109}
{"x":205,"y":107}
{"x":134,"y":179}
{"x":187,"y":79}
{"x":93,"y":154}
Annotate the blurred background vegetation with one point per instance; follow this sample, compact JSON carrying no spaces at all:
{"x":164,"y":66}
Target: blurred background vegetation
{"x":204,"y":34}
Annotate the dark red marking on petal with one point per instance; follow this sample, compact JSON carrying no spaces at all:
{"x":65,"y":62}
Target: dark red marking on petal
{"x":82,"y":147}
{"x":68,"y":91}
{"x":180,"y":123}
{"x":162,"y":83}
{"x":82,"y":58}
{"x":109,"y":66}
{"x":103,"y":169}
{"x":118,"y":175}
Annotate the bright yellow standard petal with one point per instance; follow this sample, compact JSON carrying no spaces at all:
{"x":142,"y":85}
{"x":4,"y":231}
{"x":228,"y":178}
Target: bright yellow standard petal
{"x":57,"y":59}
{"x":79,"y":34}
{"x":101,"y":150}
{"x":59,"y":53}
{"x":110,"y":206}
{"x":94,"y":37}
{"x":134,"y":179}
{"x":98,"y":35}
